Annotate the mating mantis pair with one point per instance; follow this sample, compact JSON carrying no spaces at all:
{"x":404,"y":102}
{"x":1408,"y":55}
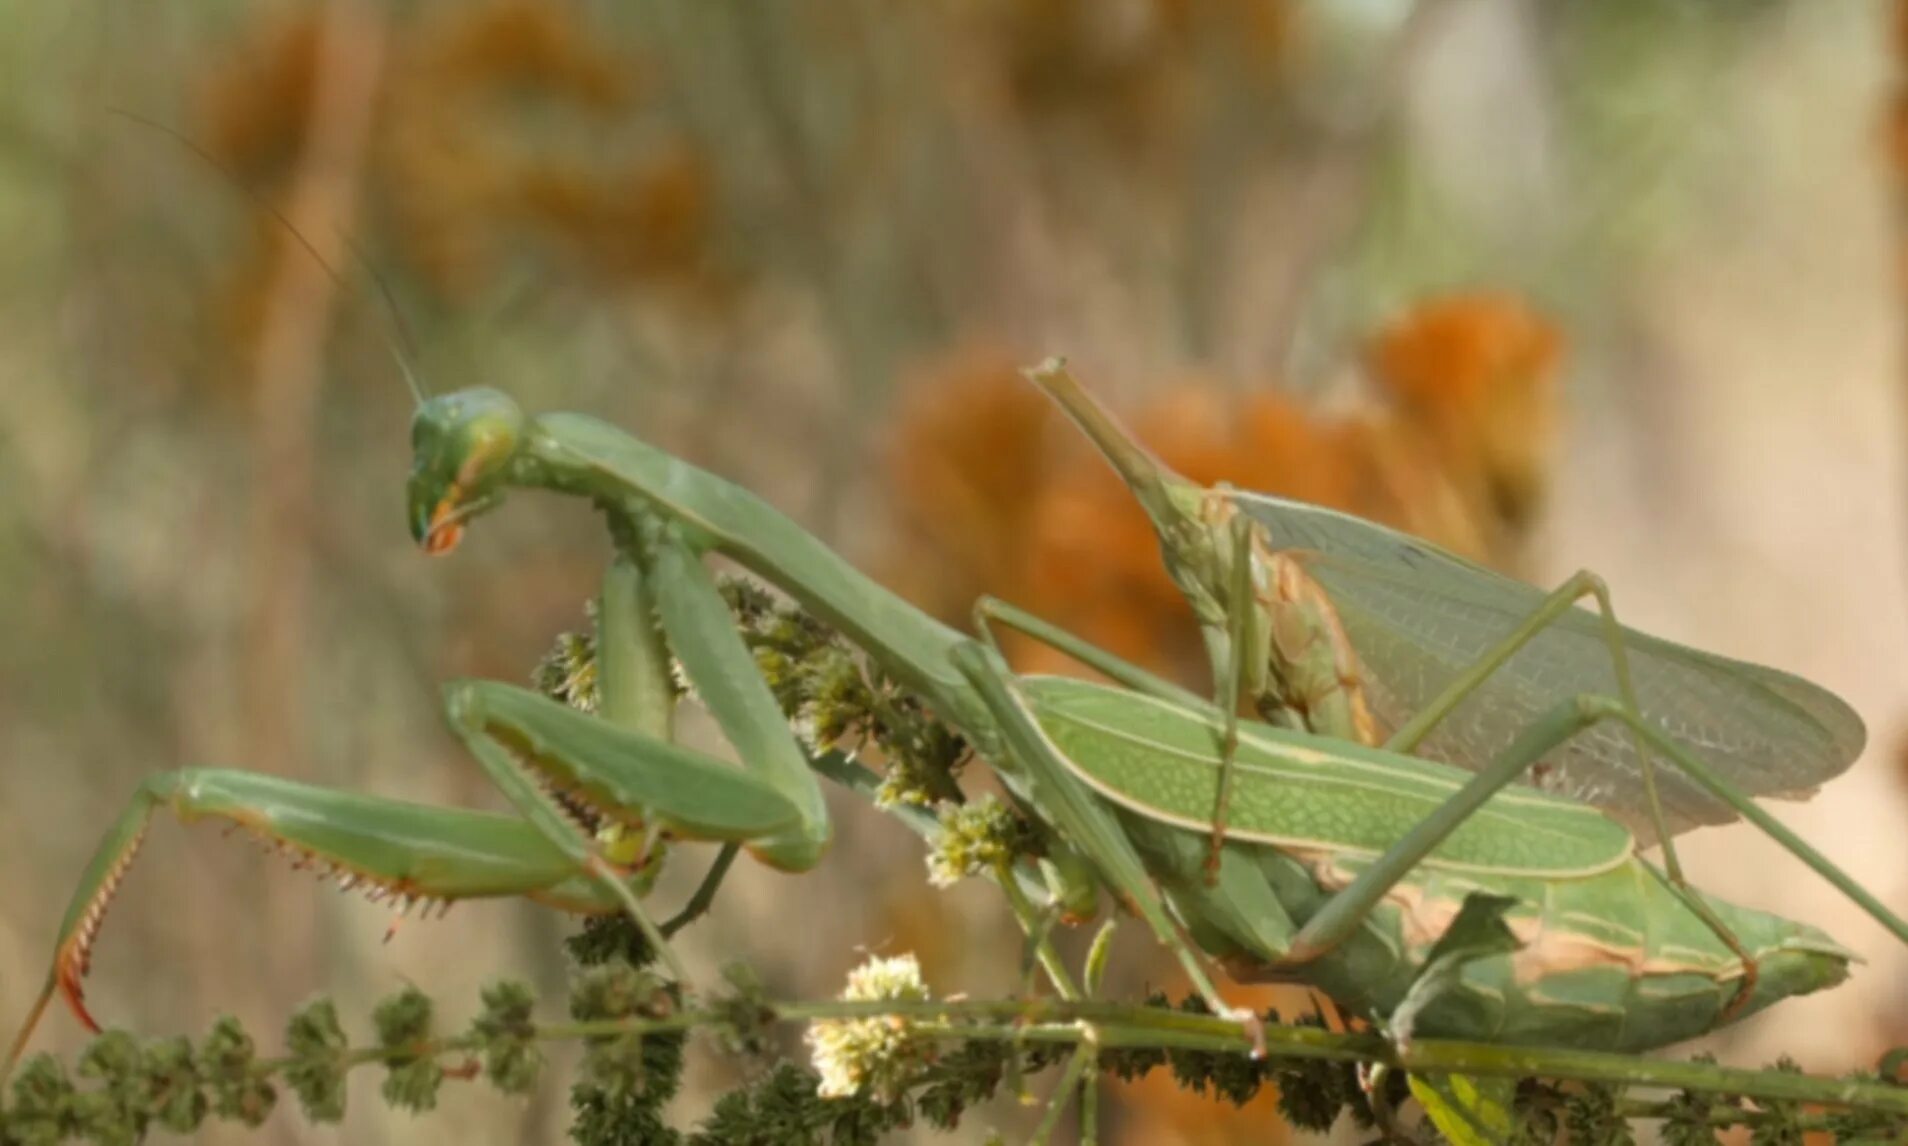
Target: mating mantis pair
{"x":1309,"y":852}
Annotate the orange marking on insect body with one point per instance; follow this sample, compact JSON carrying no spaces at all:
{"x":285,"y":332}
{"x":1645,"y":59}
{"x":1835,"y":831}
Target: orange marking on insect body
{"x":1544,"y":950}
{"x":445,"y":531}
{"x":75,"y":956}
{"x":69,"y":967}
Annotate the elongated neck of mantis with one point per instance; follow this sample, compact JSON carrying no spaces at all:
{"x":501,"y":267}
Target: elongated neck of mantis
{"x":579,"y":454}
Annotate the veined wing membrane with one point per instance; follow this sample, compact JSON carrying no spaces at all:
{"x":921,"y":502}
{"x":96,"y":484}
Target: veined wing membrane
{"x":1418,"y":616}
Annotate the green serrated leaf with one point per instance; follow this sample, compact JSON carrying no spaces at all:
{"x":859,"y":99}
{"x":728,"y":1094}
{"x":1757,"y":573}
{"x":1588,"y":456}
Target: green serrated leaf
{"x":1593,"y":1117}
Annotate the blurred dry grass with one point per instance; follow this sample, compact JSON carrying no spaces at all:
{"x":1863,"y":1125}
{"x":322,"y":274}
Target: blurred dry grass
{"x":806,"y":246}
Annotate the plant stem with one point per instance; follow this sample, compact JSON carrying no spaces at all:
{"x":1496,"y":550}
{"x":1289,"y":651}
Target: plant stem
{"x":1119,"y":1025}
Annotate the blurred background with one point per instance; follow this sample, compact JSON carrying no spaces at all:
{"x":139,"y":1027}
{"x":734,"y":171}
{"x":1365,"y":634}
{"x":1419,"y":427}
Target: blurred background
{"x":1558,"y":285}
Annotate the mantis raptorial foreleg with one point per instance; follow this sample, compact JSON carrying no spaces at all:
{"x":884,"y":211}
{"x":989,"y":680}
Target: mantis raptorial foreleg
{"x":404,"y":853}
{"x":703,"y":636}
{"x":658,"y":599}
{"x":533,"y":748}
{"x":616,"y":768}
{"x":1241,"y":662}
{"x":634,"y":685}
{"x":538,"y":751}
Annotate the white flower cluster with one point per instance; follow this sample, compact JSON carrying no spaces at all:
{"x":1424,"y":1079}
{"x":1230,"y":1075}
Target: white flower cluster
{"x":882,"y":1053}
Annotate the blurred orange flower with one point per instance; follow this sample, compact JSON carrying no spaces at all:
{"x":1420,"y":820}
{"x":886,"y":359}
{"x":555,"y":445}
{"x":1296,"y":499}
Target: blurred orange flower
{"x":1475,"y":375}
{"x":461,"y":182}
{"x":966,"y":453}
{"x":1127,"y":68}
{"x":1453,"y":446}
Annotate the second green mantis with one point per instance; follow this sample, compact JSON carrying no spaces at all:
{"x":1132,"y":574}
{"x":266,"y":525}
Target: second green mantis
{"x":1323,"y":621}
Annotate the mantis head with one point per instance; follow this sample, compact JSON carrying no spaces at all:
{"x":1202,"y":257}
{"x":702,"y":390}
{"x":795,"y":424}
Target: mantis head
{"x":461,"y":445}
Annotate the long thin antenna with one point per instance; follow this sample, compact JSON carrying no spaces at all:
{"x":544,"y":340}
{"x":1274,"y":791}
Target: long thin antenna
{"x":398,"y":340}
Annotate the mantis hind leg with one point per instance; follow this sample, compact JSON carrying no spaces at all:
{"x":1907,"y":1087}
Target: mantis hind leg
{"x":1579,"y":585}
{"x":1342,"y":913}
{"x":1584,"y":583}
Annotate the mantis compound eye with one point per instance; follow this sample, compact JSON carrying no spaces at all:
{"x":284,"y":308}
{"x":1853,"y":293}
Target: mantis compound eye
{"x":461,"y":445}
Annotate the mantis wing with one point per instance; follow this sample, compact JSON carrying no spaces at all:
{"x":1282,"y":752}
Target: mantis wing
{"x":1418,"y":616}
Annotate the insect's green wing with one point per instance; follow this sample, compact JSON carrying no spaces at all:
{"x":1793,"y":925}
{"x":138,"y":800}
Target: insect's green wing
{"x":1306,"y":793}
{"x":1418,"y":616}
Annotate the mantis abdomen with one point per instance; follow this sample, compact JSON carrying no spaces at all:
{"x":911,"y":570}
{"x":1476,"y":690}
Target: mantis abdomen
{"x":1614,"y":961}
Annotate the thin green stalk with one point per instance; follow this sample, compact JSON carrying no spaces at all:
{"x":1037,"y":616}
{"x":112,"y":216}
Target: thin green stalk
{"x":1040,"y":936}
{"x":1120,"y":1025}
{"x":1057,"y":1105}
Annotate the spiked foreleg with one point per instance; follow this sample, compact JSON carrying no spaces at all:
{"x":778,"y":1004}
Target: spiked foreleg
{"x":703,"y":635}
{"x":549,"y":760}
{"x":412,"y":854}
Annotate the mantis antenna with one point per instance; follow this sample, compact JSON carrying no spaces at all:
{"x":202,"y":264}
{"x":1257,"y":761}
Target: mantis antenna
{"x":398,"y":340}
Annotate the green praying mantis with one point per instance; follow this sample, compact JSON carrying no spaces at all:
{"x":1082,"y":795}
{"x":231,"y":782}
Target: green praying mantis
{"x":1299,"y":853}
